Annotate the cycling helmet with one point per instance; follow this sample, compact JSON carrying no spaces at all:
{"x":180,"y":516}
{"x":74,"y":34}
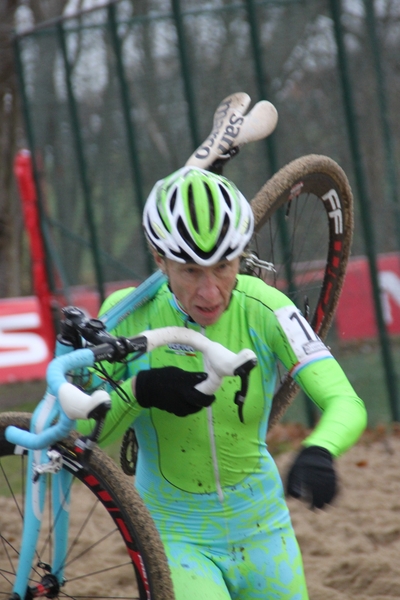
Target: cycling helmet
{"x":196,"y":216}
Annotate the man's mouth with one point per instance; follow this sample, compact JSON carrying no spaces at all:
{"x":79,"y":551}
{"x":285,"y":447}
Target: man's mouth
{"x":208,"y":309}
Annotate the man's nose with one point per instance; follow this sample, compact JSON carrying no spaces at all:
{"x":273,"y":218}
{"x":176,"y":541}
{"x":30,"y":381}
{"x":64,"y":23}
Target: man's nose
{"x":208,"y":287}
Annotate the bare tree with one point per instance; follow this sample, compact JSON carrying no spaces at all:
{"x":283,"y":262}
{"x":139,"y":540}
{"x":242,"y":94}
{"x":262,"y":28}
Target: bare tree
{"x":14,"y":280}
{"x":10,"y":224}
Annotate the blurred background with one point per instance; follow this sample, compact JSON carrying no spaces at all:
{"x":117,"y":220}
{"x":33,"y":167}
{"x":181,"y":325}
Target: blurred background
{"x":98,"y":100}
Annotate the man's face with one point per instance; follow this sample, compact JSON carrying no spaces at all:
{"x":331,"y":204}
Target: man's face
{"x":203,"y":292}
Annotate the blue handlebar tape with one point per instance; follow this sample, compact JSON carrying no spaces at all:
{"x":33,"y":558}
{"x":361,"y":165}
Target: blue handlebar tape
{"x":38,"y":441}
{"x":55,"y":378}
{"x":60,"y":365}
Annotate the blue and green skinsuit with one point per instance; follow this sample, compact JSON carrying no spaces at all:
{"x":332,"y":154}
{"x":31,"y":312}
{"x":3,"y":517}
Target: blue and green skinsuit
{"x":208,"y":479}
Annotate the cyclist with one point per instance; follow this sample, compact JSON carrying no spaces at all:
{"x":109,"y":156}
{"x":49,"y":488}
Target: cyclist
{"x":207,"y":478}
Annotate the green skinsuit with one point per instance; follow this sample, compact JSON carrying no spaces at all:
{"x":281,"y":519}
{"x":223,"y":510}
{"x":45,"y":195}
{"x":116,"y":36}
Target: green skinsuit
{"x":208,"y":480}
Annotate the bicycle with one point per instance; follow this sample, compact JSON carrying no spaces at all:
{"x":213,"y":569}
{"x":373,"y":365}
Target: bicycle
{"x":311,"y":180}
{"x":71,"y":456}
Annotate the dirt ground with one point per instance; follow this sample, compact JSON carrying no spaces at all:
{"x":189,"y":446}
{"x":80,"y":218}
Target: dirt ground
{"x":351,"y":551}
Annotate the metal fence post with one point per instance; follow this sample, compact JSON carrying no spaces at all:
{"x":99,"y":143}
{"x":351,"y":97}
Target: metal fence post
{"x":82,"y":169}
{"x":270,"y":141}
{"x":363,"y":197}
{"x":388,"y":141}
{"x":310,"y":408}
{"x":51,"y":253}
{"x":130,"y":129}
{"x":185,"y":68}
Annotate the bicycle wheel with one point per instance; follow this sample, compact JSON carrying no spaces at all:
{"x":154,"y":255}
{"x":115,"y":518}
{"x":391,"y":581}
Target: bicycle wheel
{"x":114,"y":550}
{"x":304,"y":226}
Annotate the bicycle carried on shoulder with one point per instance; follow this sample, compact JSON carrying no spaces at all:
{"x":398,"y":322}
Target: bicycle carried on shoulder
{"x":93,"y":519}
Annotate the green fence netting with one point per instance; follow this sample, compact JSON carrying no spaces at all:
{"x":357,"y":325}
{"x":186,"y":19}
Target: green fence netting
{"x":119,"y":96}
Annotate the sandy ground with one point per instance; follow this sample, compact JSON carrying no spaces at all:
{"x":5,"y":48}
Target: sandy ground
{"x":352,"y":550}
{"x":97,"y":561}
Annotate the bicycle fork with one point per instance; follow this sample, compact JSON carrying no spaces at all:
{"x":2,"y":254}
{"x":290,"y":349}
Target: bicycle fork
{"x":40,"y":464}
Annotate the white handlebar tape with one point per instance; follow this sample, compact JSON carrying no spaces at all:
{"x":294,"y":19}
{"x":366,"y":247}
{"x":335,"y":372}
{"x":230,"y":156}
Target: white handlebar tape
{"x":218,"y":360}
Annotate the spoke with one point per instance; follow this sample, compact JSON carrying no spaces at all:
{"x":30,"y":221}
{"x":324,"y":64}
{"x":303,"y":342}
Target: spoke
{"x":100,"y":571}
{"x":89,"y":548}
{"x":4,"y":574}
{"x":10,"y":489}
{"x":6,"y":546}
{"x":81,"y":529}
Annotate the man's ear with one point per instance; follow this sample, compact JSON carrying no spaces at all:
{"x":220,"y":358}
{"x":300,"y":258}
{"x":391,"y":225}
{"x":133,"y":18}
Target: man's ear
{"x":159,"y":260}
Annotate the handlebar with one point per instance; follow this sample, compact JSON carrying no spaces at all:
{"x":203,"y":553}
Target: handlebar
{"x":76,"y":404}
{"x":219,"y":362}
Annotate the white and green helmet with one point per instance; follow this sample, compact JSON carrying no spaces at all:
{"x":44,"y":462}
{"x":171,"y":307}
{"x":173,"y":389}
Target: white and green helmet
{"x":195,"y":215}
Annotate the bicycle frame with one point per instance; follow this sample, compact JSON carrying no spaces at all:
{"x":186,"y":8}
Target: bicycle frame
{"x":40,"y":438}
{"x":47,"y":410}
{"x":223,"y":143}
{"x":65,"y":402}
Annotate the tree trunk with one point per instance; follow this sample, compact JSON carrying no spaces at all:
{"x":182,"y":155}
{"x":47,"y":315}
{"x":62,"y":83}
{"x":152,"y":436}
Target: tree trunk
{"x":10,"y":213}
{"x":15,"y":278}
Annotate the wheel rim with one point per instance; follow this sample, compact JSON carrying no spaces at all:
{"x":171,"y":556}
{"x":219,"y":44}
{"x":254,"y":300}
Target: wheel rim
{"x":307,"y":248}
{"x":304,"y":225}
{"x":97,"y":564}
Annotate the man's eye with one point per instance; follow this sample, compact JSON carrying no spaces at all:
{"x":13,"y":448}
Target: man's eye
{"x":222,"y":267}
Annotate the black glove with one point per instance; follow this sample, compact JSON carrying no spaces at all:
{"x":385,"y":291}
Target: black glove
{"x":313,"y":477}
{"x":171,"y":389}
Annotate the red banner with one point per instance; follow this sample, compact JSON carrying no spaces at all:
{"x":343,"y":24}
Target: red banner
{"x":24,"y":353}
{"x":24,"y":348}
{"x":355,"y":317}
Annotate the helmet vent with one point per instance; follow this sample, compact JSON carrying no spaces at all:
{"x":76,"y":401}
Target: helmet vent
{"x":190,"y":242}
{"x":192,"y":208}
{"x":173,"y":200}
{"x":211,"y":205}
{"x":225,"y":195}
{"x":153,"y":233}
{"x":183,"y":232}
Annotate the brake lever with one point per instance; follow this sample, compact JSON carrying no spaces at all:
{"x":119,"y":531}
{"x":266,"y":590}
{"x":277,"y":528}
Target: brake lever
{"x":85,"y":444}
{"x":244,"y":373}
{"x":77,"y":325}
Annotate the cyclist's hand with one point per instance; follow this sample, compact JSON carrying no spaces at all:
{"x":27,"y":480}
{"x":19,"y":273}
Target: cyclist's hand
{"x":171,"y":389}
{"x":312,"y":476}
